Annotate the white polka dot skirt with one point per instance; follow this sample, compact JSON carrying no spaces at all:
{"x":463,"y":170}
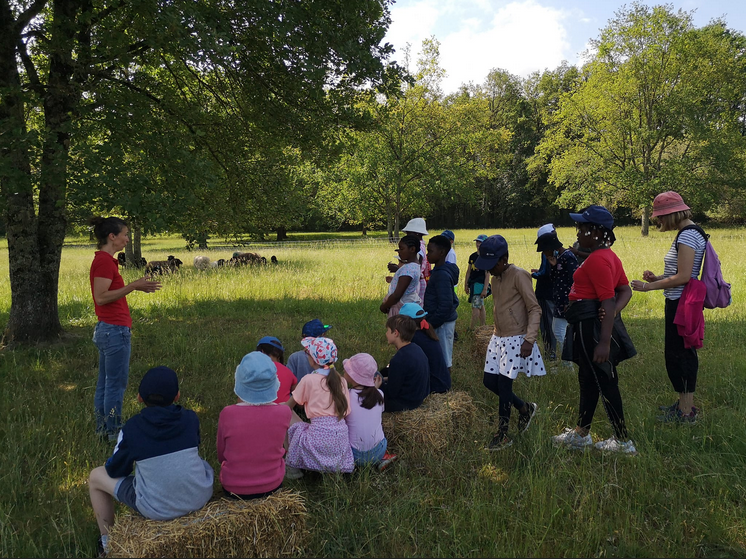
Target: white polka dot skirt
{"x":504,"y":358}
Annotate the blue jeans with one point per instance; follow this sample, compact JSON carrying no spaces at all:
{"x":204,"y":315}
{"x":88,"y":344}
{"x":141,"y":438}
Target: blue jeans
{"x":114,"y":347}
{"x":445,"y":336}
{"x":372,"y":456}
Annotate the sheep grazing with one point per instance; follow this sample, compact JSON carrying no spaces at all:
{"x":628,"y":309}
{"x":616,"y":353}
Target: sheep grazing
{"x":273,"y":259}
{"x":122,"y":258}
{"x":163,"y":266}
{"x":218,"y":264}
{"x":202,"y":262}
{"x":241,"y":258}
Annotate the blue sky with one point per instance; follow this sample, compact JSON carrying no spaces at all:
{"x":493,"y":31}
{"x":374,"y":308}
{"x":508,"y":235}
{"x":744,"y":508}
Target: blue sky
{"x":520,"y":36}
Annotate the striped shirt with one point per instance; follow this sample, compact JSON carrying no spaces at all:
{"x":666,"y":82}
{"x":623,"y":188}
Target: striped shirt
{"x":693,"y":239}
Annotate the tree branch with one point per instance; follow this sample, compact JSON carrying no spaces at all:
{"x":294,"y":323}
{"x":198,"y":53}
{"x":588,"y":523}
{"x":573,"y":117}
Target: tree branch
{"x":30,"y":13}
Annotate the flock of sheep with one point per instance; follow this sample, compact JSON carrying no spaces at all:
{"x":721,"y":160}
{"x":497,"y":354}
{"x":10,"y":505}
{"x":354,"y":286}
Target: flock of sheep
{"x":172,"y":264}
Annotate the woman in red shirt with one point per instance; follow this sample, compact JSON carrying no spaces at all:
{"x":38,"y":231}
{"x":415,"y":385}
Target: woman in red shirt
{"x":599,"y":293}
{"x":112,"y":333}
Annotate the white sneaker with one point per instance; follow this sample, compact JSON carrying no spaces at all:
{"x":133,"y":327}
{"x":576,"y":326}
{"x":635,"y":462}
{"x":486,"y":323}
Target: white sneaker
{"x":613,"y":445}
{"x":293,"y":473}
{"x":571,"y":439}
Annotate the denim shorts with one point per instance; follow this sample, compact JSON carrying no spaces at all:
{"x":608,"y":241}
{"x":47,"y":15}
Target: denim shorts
{"x":124,"y":492}
{"x":372,"y":456}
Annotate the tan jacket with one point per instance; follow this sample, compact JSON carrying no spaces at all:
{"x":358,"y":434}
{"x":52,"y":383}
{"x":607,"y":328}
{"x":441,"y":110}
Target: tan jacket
{"x":516,"y":309}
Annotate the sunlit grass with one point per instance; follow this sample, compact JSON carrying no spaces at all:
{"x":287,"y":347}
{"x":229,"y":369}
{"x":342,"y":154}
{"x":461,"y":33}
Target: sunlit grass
{"x":683,"y":496}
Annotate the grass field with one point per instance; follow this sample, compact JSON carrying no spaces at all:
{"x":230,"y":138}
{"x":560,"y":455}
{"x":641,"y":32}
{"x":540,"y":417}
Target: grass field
{"x":682,"y":496}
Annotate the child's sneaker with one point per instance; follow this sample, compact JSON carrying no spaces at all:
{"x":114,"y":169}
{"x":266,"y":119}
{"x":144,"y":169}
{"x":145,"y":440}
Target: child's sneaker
{"x":613,"y":445}
{"x":499,"y":442}
{"x":524,"y":420}
{"x":670,"y":409}
{"x":293,"y":473}
{"x":386,"y":461}
{"x":571,"y":439}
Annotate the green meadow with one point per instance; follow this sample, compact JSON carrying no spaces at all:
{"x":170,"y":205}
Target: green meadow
{"x":683,"y":495}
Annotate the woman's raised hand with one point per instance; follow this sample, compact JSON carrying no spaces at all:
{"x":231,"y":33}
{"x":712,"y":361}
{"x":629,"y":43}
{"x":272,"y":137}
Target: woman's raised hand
{"x":146,"y":285}
{"x":649,"y":276}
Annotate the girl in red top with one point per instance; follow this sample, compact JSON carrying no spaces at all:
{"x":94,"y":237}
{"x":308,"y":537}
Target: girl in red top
{"x":112,"y":333}
{"x":599,"y":293}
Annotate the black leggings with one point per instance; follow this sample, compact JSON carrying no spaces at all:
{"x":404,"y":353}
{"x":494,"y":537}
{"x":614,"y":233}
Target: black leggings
{"x":682,"y":364}
{"x":592,"y":380}
{"x":503,"y":387}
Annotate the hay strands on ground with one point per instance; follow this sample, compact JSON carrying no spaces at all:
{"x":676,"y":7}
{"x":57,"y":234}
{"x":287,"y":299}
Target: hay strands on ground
{"x":274,"y":526}
{"x":482,"y":337}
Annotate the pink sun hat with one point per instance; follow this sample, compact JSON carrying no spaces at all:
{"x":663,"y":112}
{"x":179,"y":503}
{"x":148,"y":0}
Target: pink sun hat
{"x":362,"y":368}
{"x":667,"y":203}
{"x":322,"y":350}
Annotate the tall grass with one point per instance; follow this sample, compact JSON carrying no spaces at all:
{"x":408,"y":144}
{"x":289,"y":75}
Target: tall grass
{"x":682,"y":496}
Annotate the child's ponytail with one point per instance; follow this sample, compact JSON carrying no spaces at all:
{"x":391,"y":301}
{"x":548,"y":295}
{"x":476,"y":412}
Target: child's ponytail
{"x":429,"y":331}
{"x":339,"y":398}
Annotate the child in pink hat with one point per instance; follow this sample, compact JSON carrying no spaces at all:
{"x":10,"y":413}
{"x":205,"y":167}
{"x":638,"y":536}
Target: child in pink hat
{"x":322,"y":445}
{"x":366,"y":406}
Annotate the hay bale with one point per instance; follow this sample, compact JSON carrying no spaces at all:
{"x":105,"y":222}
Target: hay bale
{"x":271,"y":527}
{"x":440,"y":420}
{"x":482,"y":337}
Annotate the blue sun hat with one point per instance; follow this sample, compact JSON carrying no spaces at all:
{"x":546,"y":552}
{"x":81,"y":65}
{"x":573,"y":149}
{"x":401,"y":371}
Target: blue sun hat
{"x":256,"y":379}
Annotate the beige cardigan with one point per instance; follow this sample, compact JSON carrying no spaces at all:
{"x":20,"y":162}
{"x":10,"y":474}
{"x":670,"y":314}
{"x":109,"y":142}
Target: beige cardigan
{"x":516,"y":309}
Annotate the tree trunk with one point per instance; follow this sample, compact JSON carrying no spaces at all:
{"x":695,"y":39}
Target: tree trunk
{"x":129,"y":253}
{"x":390,"y":225}
{"x":35,"y":241}
{"x":396,"y":224}
{"x":282,"y":234}
{"x":645,"y":221}
{"x":137,"y":243}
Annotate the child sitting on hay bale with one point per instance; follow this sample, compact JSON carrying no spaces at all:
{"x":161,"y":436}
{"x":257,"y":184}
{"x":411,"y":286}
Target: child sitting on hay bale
{"x":366,"y":406}
{"x":322,"y":445}
{"x":171,"y":479}
{"x":298,"y":361}
{"x":405,"y":382}
{"x":427,"y":339}
{"x":251,"y":433}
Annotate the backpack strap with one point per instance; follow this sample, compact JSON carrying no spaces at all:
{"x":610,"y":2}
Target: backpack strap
{"x":697,"y":228}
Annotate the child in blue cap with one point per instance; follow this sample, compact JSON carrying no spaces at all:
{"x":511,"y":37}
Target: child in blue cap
{"x":512,"y":348}
{"x":477,"y":286}
{"x":298,"y":361}
{"x":171,"y":479}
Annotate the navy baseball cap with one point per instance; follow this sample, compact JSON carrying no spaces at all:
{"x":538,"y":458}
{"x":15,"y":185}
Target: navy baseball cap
{"x":159,"y":386}
{"x":490,"y":252}
{"x":548,"y":241}
{"x":448,"y":234}
{"x":596,"y":215}
{"x":481,"y":238}
{"x":314,"y":328}
{"x":271,"y":340}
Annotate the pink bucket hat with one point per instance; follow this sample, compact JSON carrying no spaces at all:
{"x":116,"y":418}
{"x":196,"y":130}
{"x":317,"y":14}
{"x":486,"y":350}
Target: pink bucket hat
{"x":668,"y":203}
{"x":361,"y":367}
{"x":321,"y":350}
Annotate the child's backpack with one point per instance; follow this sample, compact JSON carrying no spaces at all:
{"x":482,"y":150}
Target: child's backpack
{"x":718,"y":290}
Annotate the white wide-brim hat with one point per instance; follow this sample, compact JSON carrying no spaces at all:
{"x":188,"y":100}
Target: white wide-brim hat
{"x":416,"y":225}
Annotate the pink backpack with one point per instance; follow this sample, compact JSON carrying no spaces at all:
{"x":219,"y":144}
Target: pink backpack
{"x":718,"y":294}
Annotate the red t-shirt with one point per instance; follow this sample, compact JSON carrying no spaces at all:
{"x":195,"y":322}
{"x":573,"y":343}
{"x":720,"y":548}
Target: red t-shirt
{"x":287,"y":383}
{"x":116,"y":313}
{"x":598,"y":276}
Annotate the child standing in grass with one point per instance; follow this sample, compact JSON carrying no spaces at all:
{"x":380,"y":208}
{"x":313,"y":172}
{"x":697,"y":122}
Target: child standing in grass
{"x":512,"y":348}
{"x":251,"y":433}
{"x":366,"y":406}
{"x":405,"y":382}
{"x":441,"y":300}
{"x":477,"y":286}
{"x":323,"y":445}
{"x":404,"y":284}
{"x":170,"y":479}
{"x":272,"y":347}
{"x":427,"y":339}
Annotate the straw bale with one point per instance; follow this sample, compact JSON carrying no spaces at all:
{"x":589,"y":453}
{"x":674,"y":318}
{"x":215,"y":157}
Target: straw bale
{"x":274,"y":526}
{"x":482,"y":336}
{"x":440,"y":420}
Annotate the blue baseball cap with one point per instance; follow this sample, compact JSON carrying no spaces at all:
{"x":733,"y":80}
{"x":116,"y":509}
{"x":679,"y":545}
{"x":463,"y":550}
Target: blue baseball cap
{"x":490,"y":252}
{"x":271,"y":340}
{"x":448,"y":234}
{"x":596,"y":215}
{"x":159,"y":386}
{"x":413,"y":310}
{"x":314,"y":328}
{"x":481,"y":238}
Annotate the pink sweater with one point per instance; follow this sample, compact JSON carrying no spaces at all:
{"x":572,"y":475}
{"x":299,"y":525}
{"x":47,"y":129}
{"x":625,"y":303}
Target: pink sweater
{"x":250,"y":450}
